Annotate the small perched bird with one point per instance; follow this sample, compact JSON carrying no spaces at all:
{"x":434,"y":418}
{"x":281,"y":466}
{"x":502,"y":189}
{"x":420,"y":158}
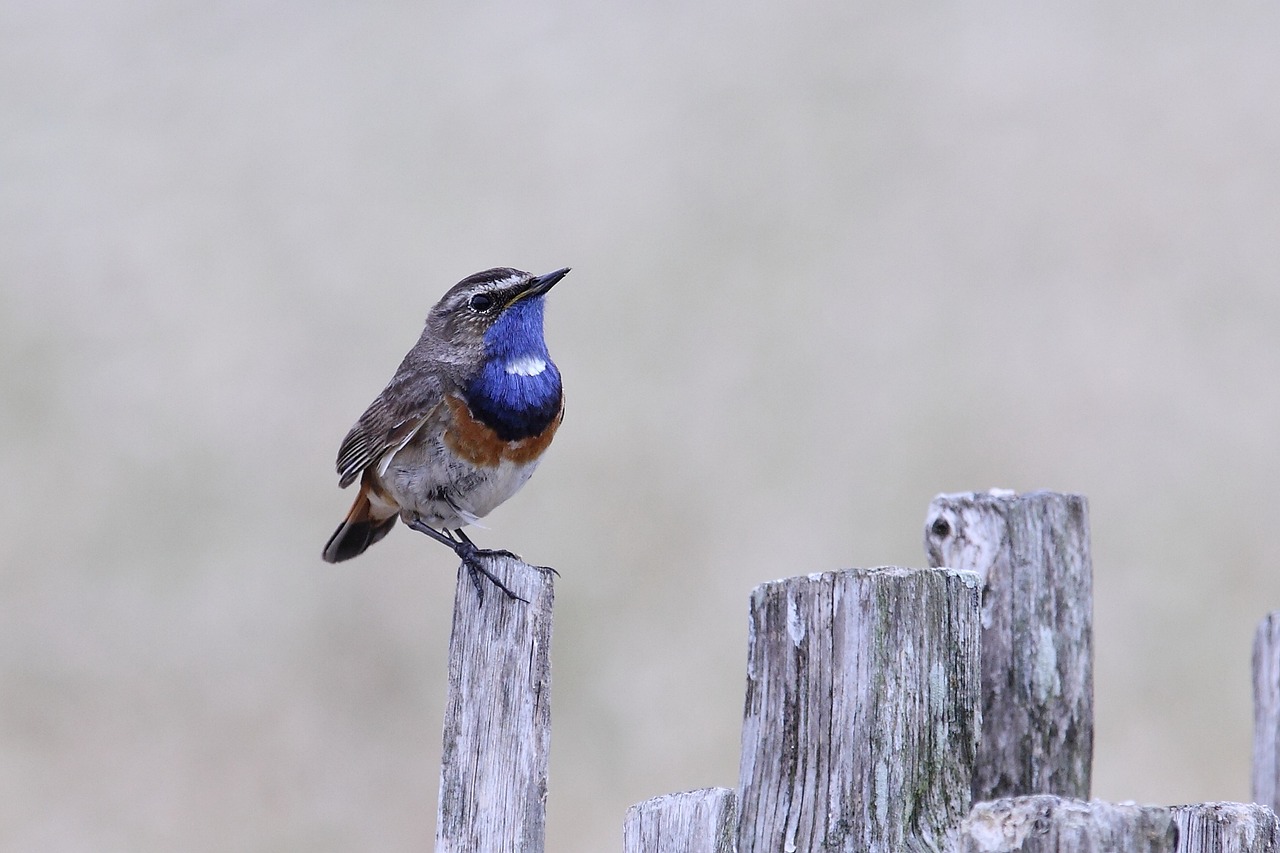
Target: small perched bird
{"x":462,"y":424}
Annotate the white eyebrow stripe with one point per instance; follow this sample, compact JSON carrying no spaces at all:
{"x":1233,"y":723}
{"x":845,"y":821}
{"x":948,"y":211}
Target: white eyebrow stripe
{"x":526,"y":365}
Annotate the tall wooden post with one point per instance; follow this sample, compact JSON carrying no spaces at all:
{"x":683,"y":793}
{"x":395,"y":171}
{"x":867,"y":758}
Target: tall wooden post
{"x":497,"y":729}
{"x":1032,"y":552}
{"x":1266,"y":712}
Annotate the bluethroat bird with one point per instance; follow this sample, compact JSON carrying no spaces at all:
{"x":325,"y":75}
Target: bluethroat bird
{"x":462,"y":423}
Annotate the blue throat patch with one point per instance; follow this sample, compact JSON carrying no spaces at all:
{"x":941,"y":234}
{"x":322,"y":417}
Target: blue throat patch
{"x":512,"y":404}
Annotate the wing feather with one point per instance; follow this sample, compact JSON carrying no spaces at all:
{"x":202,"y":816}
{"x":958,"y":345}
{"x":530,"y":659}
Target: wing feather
{"x":388,"y":424}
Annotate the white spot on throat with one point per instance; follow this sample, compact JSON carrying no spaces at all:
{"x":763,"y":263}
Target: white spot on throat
{"x":526,"y":365}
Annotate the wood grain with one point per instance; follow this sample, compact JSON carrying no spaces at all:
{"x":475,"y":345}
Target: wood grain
{"x":861,"y":720}
{"x":1047,"y":824}
{"x":1225,"y":828}
{"x":497,"y":730}
{"x":1266,"y":712}
{"x":702,"y":821}
{"x":1037,"y":635}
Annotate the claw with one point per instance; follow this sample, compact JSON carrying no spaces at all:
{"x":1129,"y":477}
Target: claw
{"x":471,"y":558}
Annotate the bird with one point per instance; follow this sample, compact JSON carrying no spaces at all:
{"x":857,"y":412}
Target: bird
{"x":462,"y":424}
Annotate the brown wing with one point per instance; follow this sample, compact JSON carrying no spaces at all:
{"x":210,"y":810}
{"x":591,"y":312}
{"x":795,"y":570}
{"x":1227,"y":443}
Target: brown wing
{"x":388,"y":423}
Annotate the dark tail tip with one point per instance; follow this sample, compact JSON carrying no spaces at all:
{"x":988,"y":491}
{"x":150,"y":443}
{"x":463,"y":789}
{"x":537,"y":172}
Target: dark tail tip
{"x":352,"y":538}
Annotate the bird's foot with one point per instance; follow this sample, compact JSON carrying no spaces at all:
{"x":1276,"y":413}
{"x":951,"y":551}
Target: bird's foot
{"x":473,"y":559}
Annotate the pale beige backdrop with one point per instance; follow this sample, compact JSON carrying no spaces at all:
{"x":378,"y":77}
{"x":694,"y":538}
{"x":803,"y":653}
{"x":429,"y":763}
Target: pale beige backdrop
{"x":829,"y":259}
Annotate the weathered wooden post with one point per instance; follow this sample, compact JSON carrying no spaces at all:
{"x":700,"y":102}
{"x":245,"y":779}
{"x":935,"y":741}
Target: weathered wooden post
{"x":497,"y":727}
{"x":1225,"y":828}
{"x":1266,"y":712}
{"x":702,"y":821}
{"x":1047,"y":824}
{"x":862,"y":721}
{"x":1032,"y":552}
{"x":861,"y":713}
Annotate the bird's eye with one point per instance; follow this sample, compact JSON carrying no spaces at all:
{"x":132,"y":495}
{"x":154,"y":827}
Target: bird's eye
{"x":481,"y":302}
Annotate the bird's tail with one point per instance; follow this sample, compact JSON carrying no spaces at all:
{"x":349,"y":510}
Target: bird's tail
{"x":363,"y":526}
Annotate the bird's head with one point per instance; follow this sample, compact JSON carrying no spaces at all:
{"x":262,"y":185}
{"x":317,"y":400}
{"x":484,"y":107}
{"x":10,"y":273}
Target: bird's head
{"x":494,"y":315}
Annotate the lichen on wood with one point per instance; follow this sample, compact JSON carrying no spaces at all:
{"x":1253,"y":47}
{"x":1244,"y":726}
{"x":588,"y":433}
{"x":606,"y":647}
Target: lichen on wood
{"x":1037,"y":634}
{"x":861,"y":722}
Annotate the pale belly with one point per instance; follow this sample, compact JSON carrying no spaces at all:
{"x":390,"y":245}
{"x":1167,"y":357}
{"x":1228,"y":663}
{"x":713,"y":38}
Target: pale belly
{"x":445,"y":491}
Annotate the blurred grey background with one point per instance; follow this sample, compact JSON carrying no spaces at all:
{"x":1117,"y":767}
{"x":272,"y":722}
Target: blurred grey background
{"x":829,"y":260}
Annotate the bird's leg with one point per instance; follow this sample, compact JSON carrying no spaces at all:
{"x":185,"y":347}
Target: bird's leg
{"x":470,"y":556}
{"x":416,"y":523}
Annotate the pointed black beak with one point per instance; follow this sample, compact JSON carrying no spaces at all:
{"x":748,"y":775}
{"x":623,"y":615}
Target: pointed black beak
{"x":543,"y":283}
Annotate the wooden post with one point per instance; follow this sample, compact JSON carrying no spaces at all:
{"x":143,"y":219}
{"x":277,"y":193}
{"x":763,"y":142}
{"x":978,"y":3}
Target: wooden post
{"x":702,"y":821}
{"x":861,"y":711}
{"x":1046,"y":824}
{"x":1266,"y":712}
{"x":1225,"y":828}
{"x":1037,"y":635}
{"x":497,"y":727}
